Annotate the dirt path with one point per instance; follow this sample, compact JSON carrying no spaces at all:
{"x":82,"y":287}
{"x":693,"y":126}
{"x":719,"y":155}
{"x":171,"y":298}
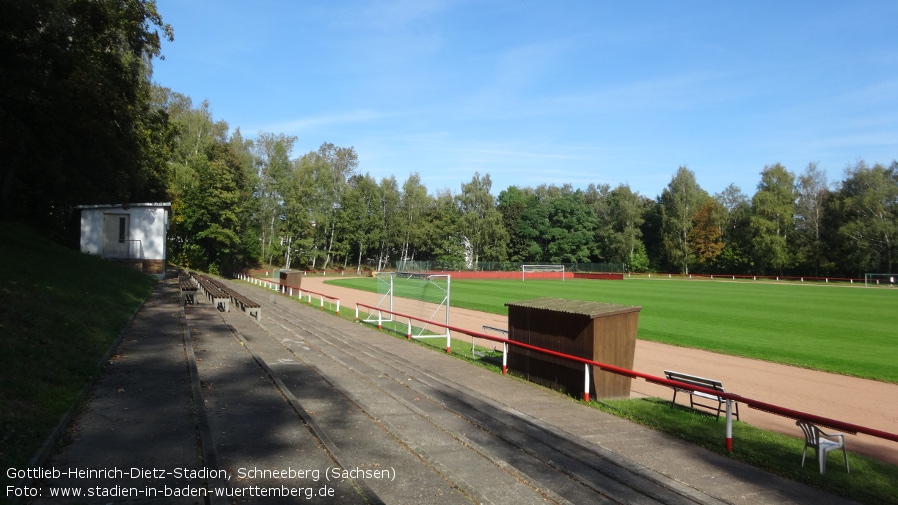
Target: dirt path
{"x":859,"y":401}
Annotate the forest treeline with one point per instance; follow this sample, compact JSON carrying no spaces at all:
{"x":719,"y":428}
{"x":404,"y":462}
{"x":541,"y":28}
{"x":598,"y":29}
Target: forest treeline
{"x":86,"y":125}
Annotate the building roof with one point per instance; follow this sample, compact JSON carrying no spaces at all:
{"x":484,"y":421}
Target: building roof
{"x":579,"y":307}
{"x":121,"y":206}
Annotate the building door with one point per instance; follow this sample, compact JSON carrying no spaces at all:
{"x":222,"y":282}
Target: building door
{"x":116,"y":228}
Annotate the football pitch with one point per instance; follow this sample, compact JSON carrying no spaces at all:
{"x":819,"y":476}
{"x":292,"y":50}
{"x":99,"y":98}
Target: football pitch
{"x":843,"y":329}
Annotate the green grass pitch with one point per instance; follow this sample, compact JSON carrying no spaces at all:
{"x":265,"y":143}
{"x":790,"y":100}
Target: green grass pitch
{"x":842,"y":329}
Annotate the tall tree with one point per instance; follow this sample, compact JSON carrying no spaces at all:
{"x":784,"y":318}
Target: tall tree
{"x":733,"y":216}
{"x":390,"y":213}
{"x":194,"y":132}
{"x":209,"y":221}
{"x":361,"y":222}
{"x":868,"y":202}
{"x":414,"y":202}
{"x":341,"y":164}
{"x":706,"y":237}
{"x":75,"y":111}
{"x":627,"y":211}
{"x":609,"y":232}
{"x":572,"y":225}
{"x":772,"y":221}
{"x":813,"y":191}
{"x":513,"y":203}
{"x":481,"y":221}
{"x":444,"y":236}
{"x":276,"y":177}
{"x":678,"y":204}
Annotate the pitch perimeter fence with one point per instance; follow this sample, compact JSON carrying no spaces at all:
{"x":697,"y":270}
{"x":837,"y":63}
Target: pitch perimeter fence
{"x":501,"y":266}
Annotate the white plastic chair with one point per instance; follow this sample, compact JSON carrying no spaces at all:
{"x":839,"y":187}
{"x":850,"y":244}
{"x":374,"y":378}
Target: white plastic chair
{"x":822,"y":443}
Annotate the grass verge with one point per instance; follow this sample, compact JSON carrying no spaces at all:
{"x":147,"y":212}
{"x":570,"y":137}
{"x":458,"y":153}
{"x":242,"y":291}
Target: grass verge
{"x":871,"y":481}
{"x":60,"y":311}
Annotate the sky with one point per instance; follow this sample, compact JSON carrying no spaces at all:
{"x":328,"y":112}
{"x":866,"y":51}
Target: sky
{"x":550,"y":92}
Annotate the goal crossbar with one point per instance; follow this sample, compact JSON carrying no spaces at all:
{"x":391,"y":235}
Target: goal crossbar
{"x":541,"y":268}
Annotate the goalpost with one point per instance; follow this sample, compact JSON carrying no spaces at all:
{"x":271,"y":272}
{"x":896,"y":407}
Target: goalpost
{"x":424,"y":296}
{"x":880,"y":280}
{"x":525,"y":269}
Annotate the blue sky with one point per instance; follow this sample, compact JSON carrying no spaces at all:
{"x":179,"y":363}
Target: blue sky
{"x":553,"y":92}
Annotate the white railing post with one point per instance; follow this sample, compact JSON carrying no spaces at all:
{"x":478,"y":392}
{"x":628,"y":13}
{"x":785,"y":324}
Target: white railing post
{"x":380,"y":320}
{"x":338,"y":307}
{"x":585,"y":382}
{"x":356,"y":312}
{"x":504,"y":357}
{"x":408,"y":334}
{"x":729,"y":424}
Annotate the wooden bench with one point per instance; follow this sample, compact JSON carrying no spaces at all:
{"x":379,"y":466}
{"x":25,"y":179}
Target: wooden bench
{"x":718,"y":404}
{"x":219,"y":298}
{"x":253,"y":309}
{"x":188,"y":288}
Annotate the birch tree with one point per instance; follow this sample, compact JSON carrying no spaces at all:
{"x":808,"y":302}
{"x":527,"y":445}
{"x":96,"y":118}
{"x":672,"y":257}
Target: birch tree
{"x":678,"y":203}
{"x":813,"y":190}
{"x":481,"y":221}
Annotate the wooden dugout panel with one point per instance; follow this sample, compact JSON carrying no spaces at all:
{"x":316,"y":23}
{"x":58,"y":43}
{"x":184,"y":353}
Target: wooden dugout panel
{"x":601,"y":332}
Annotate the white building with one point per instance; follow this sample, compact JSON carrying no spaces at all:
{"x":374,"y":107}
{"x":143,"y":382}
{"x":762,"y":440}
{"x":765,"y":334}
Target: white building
{"x":135,"y":235}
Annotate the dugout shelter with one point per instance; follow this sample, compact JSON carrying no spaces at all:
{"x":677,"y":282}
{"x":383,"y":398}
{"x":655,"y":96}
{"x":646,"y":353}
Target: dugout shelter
{"x":601,"y":332}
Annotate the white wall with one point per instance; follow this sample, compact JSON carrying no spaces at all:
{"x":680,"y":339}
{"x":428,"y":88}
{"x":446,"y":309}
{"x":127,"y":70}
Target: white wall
{"x":92,"y":231}
{"x":148,"y":224}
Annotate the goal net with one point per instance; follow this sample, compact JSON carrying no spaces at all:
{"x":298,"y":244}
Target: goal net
{"x":424,"y":297}
{"x":881,"y":280}
{"x":540,"y":271}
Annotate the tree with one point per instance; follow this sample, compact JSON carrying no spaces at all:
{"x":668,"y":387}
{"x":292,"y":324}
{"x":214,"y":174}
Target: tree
{"x":340,"y":163}
{"x":413,"y":203}
{"x":733,"y":219}
{"x":772,"y":220}
{"x":812,"y":193}
{"x":513,"y":204}
{"x":361,"y":222}
{"x":571,"y":233}
{"x":481,"y":221}
{"x":389,"y":213}
{"x":75,"y":112}
{"x":277,"y":183}
{"x":207,"y":225}
{"x":444,"y":237}
{"x":705,"y":237}
{"x":678,"y":204}
{"x":868,"y":202}
{"x":194,"y":131}
{"x":609,"y":241}
{"x":626,"y":217}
